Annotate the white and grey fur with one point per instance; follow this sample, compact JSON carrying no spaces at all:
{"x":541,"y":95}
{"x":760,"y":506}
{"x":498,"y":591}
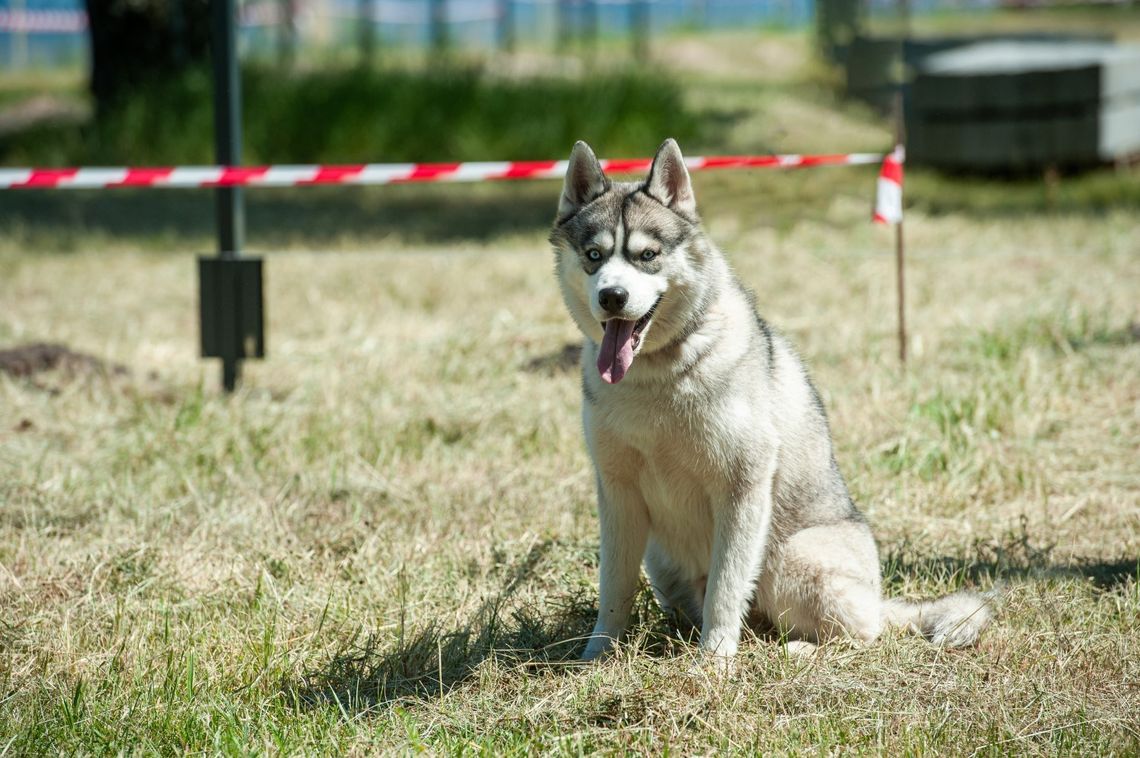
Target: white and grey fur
{"x":713,"y":456}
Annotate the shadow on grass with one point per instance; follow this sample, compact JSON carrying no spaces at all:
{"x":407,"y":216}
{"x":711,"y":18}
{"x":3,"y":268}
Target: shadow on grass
{"x":561,"y":361}
{"x":1104,"y":575}
{"x":306,"y":216}
{"x":1015,"y":558}
{"x":434,"y":660}
{"x":317,"y":217}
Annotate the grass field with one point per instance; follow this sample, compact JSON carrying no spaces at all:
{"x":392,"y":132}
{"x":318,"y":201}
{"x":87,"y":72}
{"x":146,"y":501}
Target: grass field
{"x":386,"y":541}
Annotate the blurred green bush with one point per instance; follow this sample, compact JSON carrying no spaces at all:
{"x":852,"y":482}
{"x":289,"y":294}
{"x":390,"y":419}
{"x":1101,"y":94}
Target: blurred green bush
{"x":436,"y":113}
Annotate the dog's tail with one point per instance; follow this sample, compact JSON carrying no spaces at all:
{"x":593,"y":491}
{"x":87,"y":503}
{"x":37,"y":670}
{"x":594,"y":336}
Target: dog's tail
{"x":951,"y":621}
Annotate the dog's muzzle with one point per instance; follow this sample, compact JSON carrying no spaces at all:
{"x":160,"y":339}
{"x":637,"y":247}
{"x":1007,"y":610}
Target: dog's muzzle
{"x":620,"y":342}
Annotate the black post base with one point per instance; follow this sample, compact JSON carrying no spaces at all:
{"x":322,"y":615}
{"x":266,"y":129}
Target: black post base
{"x":231,"y":313}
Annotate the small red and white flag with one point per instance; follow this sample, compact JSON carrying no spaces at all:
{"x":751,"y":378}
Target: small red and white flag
{"x":888,"y":195}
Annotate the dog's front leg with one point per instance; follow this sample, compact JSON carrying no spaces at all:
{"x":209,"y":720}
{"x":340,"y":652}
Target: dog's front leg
{"x":624,"y":532}
{"x":740,"y":537}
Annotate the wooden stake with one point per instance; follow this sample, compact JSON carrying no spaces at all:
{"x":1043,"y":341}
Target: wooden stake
{"x":900,"y":275}
{"x":900,"y":139}
{"x":900,"y":249}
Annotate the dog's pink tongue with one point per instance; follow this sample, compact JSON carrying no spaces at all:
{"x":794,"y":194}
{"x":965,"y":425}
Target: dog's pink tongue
{"x":616,"y":352}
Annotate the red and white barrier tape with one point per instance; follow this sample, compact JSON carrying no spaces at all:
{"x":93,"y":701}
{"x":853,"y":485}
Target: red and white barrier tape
{"x":376,"y":173}
{"x":888,"y":191}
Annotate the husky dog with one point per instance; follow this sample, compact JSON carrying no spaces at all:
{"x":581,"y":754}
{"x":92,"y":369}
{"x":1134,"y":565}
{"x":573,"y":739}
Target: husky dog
{"x":711,"y":447}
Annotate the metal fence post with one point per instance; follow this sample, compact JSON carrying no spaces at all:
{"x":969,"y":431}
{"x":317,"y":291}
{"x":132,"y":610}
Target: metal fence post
{"x":591,"y":24}
{"x":639,"y":10}
{"x":227,"y":149}
{"x":230,"y":288}
{"x":366,"y":38}
{"x":437,"y":27}
{"x":227,"y":126}
{"x":506,"y":31}
{"x":562,"y":30}
{"x":286,"y":33}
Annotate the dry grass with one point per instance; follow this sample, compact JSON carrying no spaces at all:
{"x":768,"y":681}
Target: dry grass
{"x":386,"y":541}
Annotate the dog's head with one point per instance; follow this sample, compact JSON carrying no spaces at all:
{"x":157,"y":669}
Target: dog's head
{"x":629,"y":256}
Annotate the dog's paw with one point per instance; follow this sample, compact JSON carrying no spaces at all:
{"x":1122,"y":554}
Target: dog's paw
{"x":593,"y":657}
{"x":708,"y":665}
{"x":598,"y":649}
{"x":800,"y":648}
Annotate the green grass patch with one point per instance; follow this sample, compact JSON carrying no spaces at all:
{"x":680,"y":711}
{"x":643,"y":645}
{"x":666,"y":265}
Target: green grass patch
{"x":1073,"y":329}
{"x":16,"y":86}
{"x":438,"y":113}
{"x":1095,"y":191}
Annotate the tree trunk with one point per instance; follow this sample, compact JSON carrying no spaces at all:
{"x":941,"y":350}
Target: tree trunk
{"x":138,"y":42}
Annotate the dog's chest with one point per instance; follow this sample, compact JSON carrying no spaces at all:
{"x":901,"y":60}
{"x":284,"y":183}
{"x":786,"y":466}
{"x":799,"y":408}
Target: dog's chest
{"x":681,"y":454}
{"x":679,"y":500}
{"x":696,"y":427}
{"x":686,"y":452}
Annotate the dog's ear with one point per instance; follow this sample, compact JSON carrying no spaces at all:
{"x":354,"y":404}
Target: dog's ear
{"x":584,"y":181}
{"x":669,"y":182}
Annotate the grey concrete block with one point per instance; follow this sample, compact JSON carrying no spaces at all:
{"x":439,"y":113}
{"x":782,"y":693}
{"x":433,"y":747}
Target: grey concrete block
{"x":1119,"y":129}
{"x":1014,"y":76}
{"x":1008,"y":105}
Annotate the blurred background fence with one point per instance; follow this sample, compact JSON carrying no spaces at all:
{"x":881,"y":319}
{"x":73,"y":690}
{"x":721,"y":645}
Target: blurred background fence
{"x":982,"y":85}
{"x":53,"y":33}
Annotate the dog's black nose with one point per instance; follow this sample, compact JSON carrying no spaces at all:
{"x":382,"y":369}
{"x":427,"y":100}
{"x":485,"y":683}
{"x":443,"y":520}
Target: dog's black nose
{"x":613,"y":299}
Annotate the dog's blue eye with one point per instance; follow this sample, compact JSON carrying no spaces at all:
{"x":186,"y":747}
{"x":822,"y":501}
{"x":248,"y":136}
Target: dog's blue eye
{"x":648,"y":255}
{"x":594,"y":254}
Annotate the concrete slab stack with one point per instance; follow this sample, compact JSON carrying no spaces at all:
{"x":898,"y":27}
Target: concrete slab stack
{"x":1025,"y":106}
